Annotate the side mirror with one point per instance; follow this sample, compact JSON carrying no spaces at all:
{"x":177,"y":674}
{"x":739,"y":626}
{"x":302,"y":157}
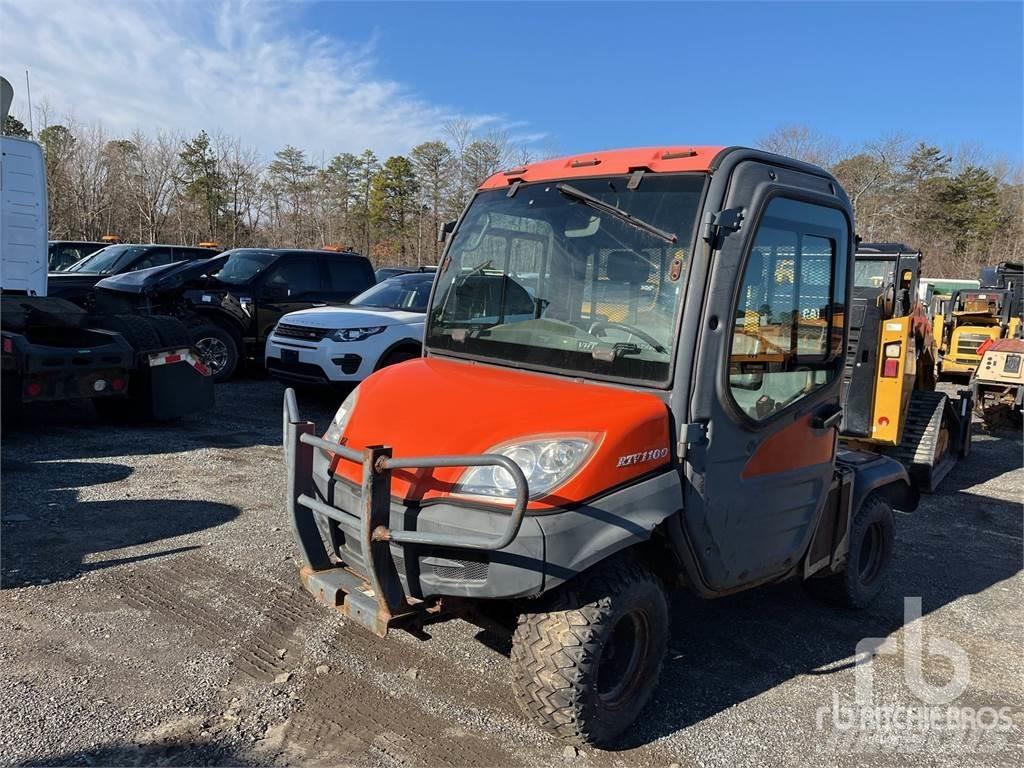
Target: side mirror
{"x":275,"y":292}
{"x":445,"y":231}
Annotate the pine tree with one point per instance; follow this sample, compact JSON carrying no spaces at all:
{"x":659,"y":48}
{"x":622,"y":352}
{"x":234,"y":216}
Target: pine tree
{"x":203,"y":182}
{"x":14,"y":127}
{"x":393,"y":200}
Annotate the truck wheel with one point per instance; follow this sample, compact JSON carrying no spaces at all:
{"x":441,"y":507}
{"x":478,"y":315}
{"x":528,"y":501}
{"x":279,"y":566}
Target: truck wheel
{"x":171,"y":330}
{"x":217,"y":348}
{"x":136,"y":329}
{"x":872,"y":541}
{"x":585,"y":667}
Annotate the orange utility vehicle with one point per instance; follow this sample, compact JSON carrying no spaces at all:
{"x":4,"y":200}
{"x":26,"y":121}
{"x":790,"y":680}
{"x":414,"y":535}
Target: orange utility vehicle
{"x":631,"y":379}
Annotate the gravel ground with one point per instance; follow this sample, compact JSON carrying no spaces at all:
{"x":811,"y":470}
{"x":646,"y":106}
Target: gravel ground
{"x":152,"y":615}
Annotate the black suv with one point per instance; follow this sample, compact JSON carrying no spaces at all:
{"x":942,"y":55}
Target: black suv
{"x":232,"y":302}
{"x":75,"y":283}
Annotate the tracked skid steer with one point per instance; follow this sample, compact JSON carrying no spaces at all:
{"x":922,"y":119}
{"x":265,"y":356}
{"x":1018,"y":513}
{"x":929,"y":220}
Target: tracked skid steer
{"x":891,"y":405}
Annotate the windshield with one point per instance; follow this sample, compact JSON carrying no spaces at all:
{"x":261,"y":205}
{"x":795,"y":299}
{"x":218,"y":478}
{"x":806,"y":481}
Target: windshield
{"x":551,"y":278}
{"x":409,"y":292}
{"x":107,"y":260}
{"x":243,"y":265}
{"x":874,"y":273}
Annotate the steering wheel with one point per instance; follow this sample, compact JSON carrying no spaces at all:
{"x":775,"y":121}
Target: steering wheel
{"x":603,"y":324}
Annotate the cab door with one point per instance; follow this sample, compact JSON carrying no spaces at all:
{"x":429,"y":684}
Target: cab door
{"x":295,"y":281}
{"x":768,"y":361}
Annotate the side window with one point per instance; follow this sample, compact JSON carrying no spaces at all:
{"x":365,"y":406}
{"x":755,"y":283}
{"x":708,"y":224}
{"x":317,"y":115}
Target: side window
{"x":183,"y":254}
{"x":298,"y":275}
{"x":348,"y":274}
{"x":154,"y":257}
{"x":788,"y":327}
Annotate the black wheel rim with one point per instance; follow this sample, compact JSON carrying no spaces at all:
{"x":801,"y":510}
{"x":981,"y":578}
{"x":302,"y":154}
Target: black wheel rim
{"x":622,"y":658}
{"x":872,"y":551}
{"x":214,"y":353}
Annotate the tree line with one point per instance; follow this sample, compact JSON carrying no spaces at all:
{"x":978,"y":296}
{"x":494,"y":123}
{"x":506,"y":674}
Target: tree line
{"x":962,"y":209}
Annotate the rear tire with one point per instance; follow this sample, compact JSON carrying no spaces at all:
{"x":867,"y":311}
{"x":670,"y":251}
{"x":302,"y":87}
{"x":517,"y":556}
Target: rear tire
{"x":171,"y":330}
{"x":138,"y":330}
{"x":872,"y":542}
{"x":141,"y":333}
{"x":585,"y":667}
{"x":217,"y":348}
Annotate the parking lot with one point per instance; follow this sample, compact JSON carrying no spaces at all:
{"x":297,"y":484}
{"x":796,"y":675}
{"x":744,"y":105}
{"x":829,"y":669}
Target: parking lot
{"x":153,"y":615}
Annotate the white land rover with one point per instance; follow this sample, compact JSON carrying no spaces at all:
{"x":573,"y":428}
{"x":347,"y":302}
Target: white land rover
{"x":346,"y":343}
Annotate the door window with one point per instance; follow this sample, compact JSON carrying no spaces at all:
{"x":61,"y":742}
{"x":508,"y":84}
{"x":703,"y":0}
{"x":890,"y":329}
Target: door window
{"x":788,"y":326}
{"x":348,"y":275}
{"x":154,"y":257}
{"x":184,"y":254}
{"x":294,"y":277}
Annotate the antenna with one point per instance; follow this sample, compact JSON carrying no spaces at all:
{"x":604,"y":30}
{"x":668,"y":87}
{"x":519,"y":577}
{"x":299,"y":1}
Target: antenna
{"x":28,"y":89}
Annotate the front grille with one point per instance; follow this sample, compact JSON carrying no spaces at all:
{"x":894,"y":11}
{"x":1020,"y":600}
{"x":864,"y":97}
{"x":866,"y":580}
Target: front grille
{"x":470,"y":570}
{"x":968,"y":343}
{"x":301,"y":332}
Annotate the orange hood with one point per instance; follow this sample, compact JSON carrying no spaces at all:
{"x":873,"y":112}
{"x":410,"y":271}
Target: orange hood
{"x":433,"y":406}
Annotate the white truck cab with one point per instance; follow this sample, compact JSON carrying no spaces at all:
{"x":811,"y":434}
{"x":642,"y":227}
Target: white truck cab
{"x":23,"y":245}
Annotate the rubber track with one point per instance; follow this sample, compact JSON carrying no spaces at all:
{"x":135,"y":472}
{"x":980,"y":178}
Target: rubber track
{"x":921,"y":429}
{"x":549,"y":651}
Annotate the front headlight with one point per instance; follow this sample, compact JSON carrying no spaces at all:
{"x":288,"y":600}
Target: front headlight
{"x":357,"y":334}
{"x":547,"y":463}
{"x":340,"y":420}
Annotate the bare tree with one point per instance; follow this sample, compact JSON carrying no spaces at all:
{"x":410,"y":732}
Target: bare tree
{"x":802,"y":143}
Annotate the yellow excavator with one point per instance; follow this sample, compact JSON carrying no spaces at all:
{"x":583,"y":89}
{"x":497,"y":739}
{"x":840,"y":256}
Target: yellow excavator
{"x":890,"y":402}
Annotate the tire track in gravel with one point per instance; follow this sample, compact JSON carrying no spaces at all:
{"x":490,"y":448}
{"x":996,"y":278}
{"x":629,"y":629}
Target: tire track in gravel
{"x":346,"y":720}
{"x":343,"y":717}
{"x":398,"y":701}
{"x":204,"y":599}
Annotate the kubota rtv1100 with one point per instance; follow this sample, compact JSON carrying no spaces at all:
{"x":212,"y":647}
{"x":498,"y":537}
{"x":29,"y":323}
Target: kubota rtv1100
{"x":631,"y":379}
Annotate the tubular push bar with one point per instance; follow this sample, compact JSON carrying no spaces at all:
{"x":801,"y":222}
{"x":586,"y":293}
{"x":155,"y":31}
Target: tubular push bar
{"x":377,"y":465}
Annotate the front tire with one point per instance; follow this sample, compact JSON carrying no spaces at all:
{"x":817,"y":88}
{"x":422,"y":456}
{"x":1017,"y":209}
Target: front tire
{"x":217,"y":349}
{"x":585,"y":667}
{"x":872,"y":542}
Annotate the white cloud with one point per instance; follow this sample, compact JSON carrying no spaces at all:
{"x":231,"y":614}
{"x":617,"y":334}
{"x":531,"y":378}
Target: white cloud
{"x":237,"y":67}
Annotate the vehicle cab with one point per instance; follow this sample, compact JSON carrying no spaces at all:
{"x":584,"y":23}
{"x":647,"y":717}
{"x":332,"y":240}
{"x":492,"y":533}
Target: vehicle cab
{"x":632,"y":362}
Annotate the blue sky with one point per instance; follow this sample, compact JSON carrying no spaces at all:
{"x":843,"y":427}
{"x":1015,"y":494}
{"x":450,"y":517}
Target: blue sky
{"x":337,"y":76}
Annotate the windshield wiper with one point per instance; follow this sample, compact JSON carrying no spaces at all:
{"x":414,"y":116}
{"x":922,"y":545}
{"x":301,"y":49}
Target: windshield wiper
{"x":600,"y":205}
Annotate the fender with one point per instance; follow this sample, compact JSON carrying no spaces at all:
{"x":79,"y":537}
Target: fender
{"x":408,"y":342}
{"x":872,"y":472}
{"x":221,"y":317}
